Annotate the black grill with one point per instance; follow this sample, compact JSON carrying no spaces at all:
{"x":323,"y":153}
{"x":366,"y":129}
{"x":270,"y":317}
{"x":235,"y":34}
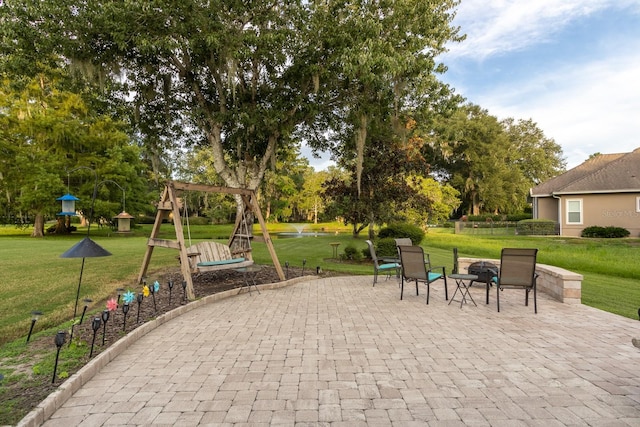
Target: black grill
{"x":484,"y":270}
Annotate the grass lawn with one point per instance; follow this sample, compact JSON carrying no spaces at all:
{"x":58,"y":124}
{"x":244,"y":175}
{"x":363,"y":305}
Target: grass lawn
{"x":34,"y":277}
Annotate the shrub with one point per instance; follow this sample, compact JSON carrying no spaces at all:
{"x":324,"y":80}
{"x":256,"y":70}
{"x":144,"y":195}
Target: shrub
{"x":544,"y":227}
{"x":386,"y":247}
{"x":605,"y":232}
{"x":402,"y":229}
{"x":352,"y":254}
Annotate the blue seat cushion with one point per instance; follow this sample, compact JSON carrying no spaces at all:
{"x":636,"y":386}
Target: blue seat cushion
{"x":388,"y":266}
{"x":221,"y":262}
{"x":434,"y":276}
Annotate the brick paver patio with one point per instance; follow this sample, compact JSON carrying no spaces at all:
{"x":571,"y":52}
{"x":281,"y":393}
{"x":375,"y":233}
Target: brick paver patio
{"x":337,"y":351}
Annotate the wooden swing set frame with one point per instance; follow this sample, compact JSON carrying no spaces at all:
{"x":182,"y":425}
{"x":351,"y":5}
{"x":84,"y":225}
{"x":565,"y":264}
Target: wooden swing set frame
{"x":168,"y":204}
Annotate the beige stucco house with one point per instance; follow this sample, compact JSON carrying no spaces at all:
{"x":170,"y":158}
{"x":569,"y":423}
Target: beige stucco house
{"x":603,"y":191}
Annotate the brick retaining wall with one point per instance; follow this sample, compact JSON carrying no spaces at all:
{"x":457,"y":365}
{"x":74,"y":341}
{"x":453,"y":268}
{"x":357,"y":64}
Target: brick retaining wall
{"x":563,"y":285}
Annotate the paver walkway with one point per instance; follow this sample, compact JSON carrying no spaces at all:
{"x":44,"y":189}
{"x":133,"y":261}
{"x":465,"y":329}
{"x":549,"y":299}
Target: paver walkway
{"x":337,"y":351}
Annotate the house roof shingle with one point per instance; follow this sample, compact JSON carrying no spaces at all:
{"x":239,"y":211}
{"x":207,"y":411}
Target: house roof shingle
{"x":606,"y":173}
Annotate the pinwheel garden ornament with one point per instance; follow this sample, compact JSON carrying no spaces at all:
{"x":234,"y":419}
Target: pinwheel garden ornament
{"x":154,"y":288}
{"x":112,"y":304}
{"x":129,"y":297}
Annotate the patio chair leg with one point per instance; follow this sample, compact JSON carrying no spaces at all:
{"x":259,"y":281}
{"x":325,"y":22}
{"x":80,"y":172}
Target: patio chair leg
{"x":498,"y":297}
{"x":535,"y":300}
{"x":401,"y":288}
{"x":446,"y":289}
{"x":488,"y":287}
{"x":428,"y":288}
{"x":417,"y":288}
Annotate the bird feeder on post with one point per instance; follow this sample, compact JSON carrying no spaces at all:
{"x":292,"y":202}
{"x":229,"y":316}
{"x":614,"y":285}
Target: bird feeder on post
{"x":124,"y":222}
{"x":68,"y":208}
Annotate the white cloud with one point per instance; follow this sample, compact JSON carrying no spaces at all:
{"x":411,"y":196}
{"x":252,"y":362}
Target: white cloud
{"x":587,"y":105}
{"x":586,"y":108}
{"x":500,"y":26}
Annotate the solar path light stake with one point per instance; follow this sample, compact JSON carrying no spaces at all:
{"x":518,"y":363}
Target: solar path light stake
{"x":59,"y":341}
{"x":139,"y":300}
{"x":87,"y":301}
{"x":35,"y":315}
{"x":95,"y":325}
{"x":304,"y":262}
{"x":105,"y":318}
{"x":120,"y":291}
{"x":184,"y":290}
{"x":125,"y":310}
{"x":170,"y":284}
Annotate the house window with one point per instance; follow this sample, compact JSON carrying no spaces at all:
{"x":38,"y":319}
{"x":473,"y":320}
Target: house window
{"x":574,"y":211}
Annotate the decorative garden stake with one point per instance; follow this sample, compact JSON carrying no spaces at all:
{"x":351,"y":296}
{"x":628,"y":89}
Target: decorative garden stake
{"x":184,"y":290}
{"x":170,"y":284}
{"x":95,"y":325}
{"x":128,"y":297}
{"x":286,"y":264}
{"x":125,"y":310}
{"x":112,"y":305}
{"x":87,"y":301}
{"x":59,"y":341}
{"x":105,"y":318}
{"x":139,"y":299}
{"x":35,"y":315}
{"x":154,"y":288}
{"x":304,"y":262}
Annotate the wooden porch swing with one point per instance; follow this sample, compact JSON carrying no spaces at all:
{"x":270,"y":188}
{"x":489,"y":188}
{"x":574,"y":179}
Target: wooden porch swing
{"x":208,"y":255}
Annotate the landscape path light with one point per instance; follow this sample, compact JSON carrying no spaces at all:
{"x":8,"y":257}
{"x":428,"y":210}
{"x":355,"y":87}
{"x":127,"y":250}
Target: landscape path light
{"x":170,"y":285}
{"x":95,"y":325}
{"x":87,"y":301}
{"x":59,"y":341}
{"x":125,"y":311}
{"x":139,"y":300}
{"x":35,"y":315}
{"x":105,"y":318}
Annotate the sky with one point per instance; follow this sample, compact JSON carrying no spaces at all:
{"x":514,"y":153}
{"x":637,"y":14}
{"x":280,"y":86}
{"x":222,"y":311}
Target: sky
{"x":571,"y":66}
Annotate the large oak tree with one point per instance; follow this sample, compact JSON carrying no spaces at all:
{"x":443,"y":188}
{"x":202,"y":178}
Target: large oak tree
{"x":242,"y":76}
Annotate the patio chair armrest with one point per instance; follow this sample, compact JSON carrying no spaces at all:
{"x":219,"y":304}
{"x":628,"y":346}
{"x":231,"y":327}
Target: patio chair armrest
{"x":438,"y":267}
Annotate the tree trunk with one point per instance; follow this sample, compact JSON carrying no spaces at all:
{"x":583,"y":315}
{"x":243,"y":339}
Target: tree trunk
{"x":372,"y":233}
{"x":38,"y":226}
{"x":61,"y":225}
